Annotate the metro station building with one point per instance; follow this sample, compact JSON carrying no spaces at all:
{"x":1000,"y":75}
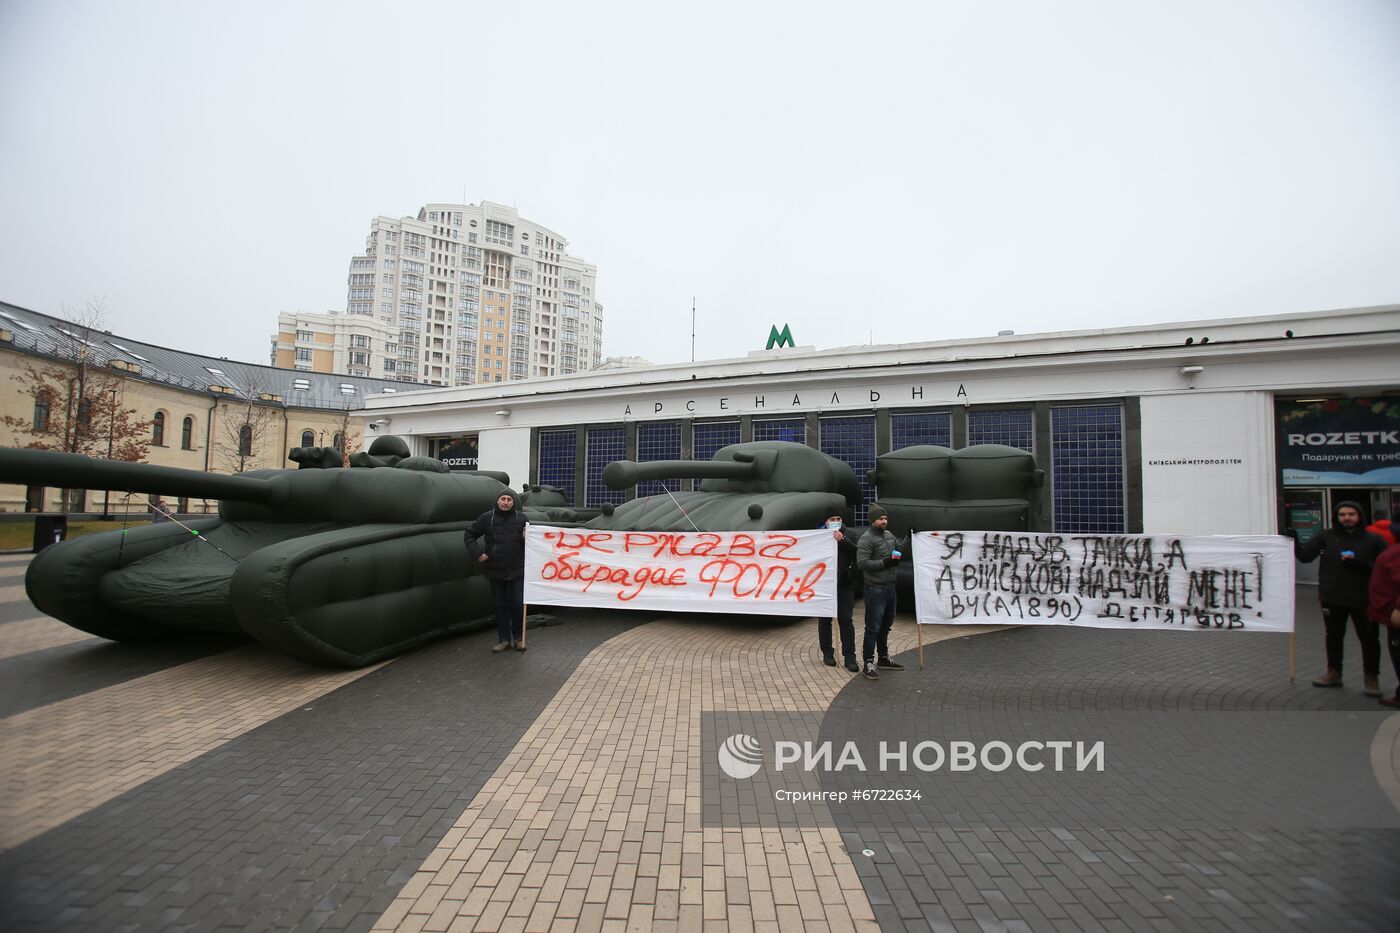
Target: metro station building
{"x":1237,"y":426}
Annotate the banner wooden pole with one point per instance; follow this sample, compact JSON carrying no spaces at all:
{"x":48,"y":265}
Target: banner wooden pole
{"x":524,"y":614}
{"x":1292,"y":657}
{"x":921,"y":644}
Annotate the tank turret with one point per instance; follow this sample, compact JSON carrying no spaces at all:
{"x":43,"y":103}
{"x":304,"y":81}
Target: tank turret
{"x":985,"y":487}
{"x":761,"y":485}
{"x":338,"y":566}
{"x":345,"y":496}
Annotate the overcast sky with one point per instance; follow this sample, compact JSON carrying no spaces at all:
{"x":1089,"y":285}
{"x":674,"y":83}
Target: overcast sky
{"x":895,"y":172}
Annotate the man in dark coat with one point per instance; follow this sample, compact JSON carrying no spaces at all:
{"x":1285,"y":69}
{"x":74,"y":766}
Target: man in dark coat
{"x":1348,"y":552}
{"x":502,"y":555}
{"x":845,"y":598}
{"x":1385,"y":606}
{"x":877,"y":554}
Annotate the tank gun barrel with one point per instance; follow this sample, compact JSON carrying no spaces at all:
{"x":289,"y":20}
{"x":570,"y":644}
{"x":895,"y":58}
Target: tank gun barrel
{"x":624,"y":474}
{"x":76,"y":471}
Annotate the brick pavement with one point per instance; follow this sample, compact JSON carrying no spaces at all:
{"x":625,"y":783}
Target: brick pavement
{"x":68,"y":757}
{"x":29,"y":635}
{"x":412,"y":797}
{"x":313,"y":817}
{"x":55,"y":670}
{"x":1212,"y":854}
{"x":593,"y":822}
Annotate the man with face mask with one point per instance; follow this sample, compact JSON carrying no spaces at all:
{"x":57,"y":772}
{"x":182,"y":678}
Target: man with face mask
{"x":845,"y":598}
{"x":1348,"y":552}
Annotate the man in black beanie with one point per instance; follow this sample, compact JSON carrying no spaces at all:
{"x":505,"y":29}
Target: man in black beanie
{"x":877,"y":553}
{"x":502,"y":555}
{"x":1348,"y":552}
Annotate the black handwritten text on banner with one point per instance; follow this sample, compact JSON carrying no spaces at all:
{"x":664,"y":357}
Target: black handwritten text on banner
{"x":1231,"y":582}
{"x":766,"y":572}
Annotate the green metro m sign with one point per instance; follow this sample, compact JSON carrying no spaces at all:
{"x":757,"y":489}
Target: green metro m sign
{"x":780,"y":338}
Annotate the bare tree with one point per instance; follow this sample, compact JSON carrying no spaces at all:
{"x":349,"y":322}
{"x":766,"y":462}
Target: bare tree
{"x":347,"y":433}
{"x":76,"y":395}
{"x":248,"y":423}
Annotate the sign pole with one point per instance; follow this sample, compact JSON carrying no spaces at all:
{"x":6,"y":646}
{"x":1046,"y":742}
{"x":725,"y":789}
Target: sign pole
{"x":917,"y":626}
{"x":1292,"y":657}
{"x":524,"y":606}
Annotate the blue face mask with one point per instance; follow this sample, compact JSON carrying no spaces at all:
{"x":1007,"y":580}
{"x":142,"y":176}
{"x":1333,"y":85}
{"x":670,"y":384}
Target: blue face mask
{"x":833,"y":525}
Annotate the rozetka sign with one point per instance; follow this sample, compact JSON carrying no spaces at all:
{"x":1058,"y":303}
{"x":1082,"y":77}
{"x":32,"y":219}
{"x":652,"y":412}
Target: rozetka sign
{"x":766,"y":572}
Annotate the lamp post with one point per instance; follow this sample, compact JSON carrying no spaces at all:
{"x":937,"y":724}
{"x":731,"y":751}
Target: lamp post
{"x":111,"y":436}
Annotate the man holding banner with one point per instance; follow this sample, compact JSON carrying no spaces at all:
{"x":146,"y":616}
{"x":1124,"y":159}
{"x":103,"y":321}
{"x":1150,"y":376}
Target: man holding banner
{"x":845,"y":598}
{"x":877,"y":556}
{"x":502,"y":555}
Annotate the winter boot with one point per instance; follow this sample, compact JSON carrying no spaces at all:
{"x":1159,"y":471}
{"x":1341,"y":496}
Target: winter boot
{"x":1333,"y":678}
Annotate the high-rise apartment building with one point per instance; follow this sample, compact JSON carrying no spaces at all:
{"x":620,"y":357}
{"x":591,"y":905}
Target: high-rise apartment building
{"x":336,"y":343}
{"x":477,"y":294}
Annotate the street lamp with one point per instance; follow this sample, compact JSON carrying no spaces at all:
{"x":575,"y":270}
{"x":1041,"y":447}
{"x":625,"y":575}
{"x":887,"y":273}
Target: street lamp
{"x":111,"y":435}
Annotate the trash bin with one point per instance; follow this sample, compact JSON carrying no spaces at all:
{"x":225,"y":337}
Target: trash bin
{"x":49,"y":529}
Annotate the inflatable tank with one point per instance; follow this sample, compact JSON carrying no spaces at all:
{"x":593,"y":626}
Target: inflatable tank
{"x":549,"y":505}
{"x":336,"y":566}
{"x":986,"y":487}
{"x":758,"y":486}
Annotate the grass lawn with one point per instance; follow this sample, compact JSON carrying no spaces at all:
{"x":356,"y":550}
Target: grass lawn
{"x":15,"y":535}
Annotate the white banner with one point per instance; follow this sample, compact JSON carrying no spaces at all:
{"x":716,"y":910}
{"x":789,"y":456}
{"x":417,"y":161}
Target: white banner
{"x":789,"y":573}
{"x":1239,"y":582}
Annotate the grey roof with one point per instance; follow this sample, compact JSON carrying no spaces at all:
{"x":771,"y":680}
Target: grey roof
{"x":45,"y":335}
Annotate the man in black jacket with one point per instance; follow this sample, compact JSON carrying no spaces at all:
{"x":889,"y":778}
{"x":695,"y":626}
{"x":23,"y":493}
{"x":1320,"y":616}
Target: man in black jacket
{"x":502,"y":532}
{"x":1348,"y":552}
{"x":877,"y":555}
{"x":845,"y":599}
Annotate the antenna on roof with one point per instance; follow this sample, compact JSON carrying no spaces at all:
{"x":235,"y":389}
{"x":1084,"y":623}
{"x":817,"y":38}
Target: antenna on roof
{"x":692,"y":328}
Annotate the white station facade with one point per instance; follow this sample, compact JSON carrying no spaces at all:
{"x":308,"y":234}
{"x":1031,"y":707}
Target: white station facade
{"x":1236,"y":426}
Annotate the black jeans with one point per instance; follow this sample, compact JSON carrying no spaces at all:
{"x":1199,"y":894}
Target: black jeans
{"x":845,"y":606}
{"x":508,"y":596}
{"x":879,"y":619}
{"x":1367,"y":631}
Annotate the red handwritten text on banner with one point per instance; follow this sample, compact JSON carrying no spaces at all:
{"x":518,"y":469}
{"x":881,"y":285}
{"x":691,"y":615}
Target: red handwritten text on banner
{"x":770,"y":572}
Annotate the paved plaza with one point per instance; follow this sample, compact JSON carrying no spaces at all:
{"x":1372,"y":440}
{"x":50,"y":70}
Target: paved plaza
{"x":210,"y":784}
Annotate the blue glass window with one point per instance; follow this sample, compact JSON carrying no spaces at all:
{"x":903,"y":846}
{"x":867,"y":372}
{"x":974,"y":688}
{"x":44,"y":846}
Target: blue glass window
{"x":781,"y":429}
{"x":934,"y":427}
{"x":1086,"y":444}
{"x":658,"y":442}
{"x":710,"y":436}
{"x":604,"y":446}
{"x":1013,"y":427}
{"x":558,"y":456}
{"x":852,"y":440}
